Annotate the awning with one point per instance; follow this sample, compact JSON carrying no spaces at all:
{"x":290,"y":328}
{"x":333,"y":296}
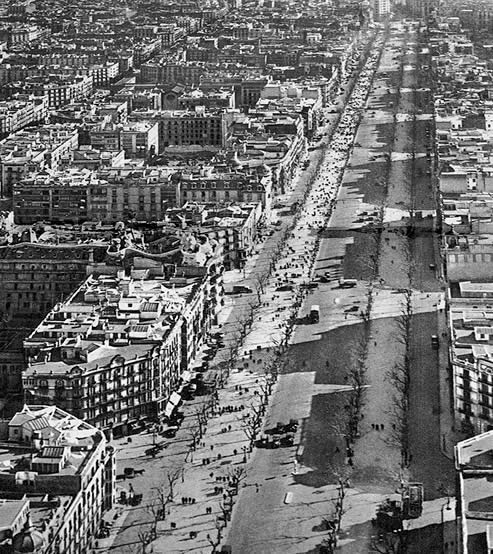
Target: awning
{"x":169,"y":409}
{"x":175,"y":398}
{"x":186,"y":376}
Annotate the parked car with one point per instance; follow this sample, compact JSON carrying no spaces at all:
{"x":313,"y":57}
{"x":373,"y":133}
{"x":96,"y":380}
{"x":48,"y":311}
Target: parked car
{"x":287,"y":440}
{"x":170,"y":432}
{"x":240,"y":289}
{"x":155,"y":449}
{"x":284,"y":288}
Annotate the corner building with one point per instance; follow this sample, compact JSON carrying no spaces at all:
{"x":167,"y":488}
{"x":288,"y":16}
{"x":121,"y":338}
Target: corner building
{"x":114,"y":352}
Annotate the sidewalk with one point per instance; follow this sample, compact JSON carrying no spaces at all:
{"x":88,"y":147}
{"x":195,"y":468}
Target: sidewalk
{"x":218,"y":447}
{"x":225,"y":434}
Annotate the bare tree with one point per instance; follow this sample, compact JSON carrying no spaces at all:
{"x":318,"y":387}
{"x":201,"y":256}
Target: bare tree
{"x":196,"y":435}
{"x":260,"y":283}
{"x":163,"y":500}
{"x":265,"y":387}
{"x":216,"y":540}
{"x":172,"y":476}
{"x":332,"y":522}
{"x":357,"y":379}
{"x":201,"y":421}
{"x":226,"y":507}
{"x":400,"y":376}
{"x":144,"y":537}
{"x":251,"y":422}
{"x":235,"y":476}
{"x":147,"y":532}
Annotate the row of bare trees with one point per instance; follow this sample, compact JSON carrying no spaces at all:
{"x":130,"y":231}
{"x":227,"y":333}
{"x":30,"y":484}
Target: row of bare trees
{"x":332,"y":522}
{"x":400,"y":377}
{"x":251,"y":422}
{"x":234,"y":477}
{"x":158,"y":508}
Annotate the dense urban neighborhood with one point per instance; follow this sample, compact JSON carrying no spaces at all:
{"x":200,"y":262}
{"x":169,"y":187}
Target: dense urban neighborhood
{"x":246,"y":277}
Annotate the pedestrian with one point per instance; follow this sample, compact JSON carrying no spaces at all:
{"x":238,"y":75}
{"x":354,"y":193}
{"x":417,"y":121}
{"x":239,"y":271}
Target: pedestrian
{"x":382,"y":426}
{"x":212,"y":447}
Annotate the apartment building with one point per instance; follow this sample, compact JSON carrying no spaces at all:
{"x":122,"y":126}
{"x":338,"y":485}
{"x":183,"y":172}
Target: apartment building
{"x":28,"y":151}
{"x":474,"y":514}
{"x":171,"y":72}
{"x":36,"y":276}
{"x":106,"y":195}
{"x":138,"y":139}
{"x":207,"y":184}
{"x":61,"y":89}
{"x":57,"y":480}
{"x":17,"y":114}
{"x":114,"y":352}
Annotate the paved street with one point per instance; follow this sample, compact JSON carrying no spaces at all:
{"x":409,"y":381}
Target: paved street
{"x":129,"y":524}
{"x":321,"y":352}
{"x":332,"y":236}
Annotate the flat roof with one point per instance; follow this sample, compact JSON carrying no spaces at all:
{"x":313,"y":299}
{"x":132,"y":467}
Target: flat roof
{"x":9,"y":509}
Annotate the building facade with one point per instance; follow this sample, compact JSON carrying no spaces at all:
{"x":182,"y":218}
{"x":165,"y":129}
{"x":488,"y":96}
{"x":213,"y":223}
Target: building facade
{"x":115,"y":351}
{"x":69,"y":481}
